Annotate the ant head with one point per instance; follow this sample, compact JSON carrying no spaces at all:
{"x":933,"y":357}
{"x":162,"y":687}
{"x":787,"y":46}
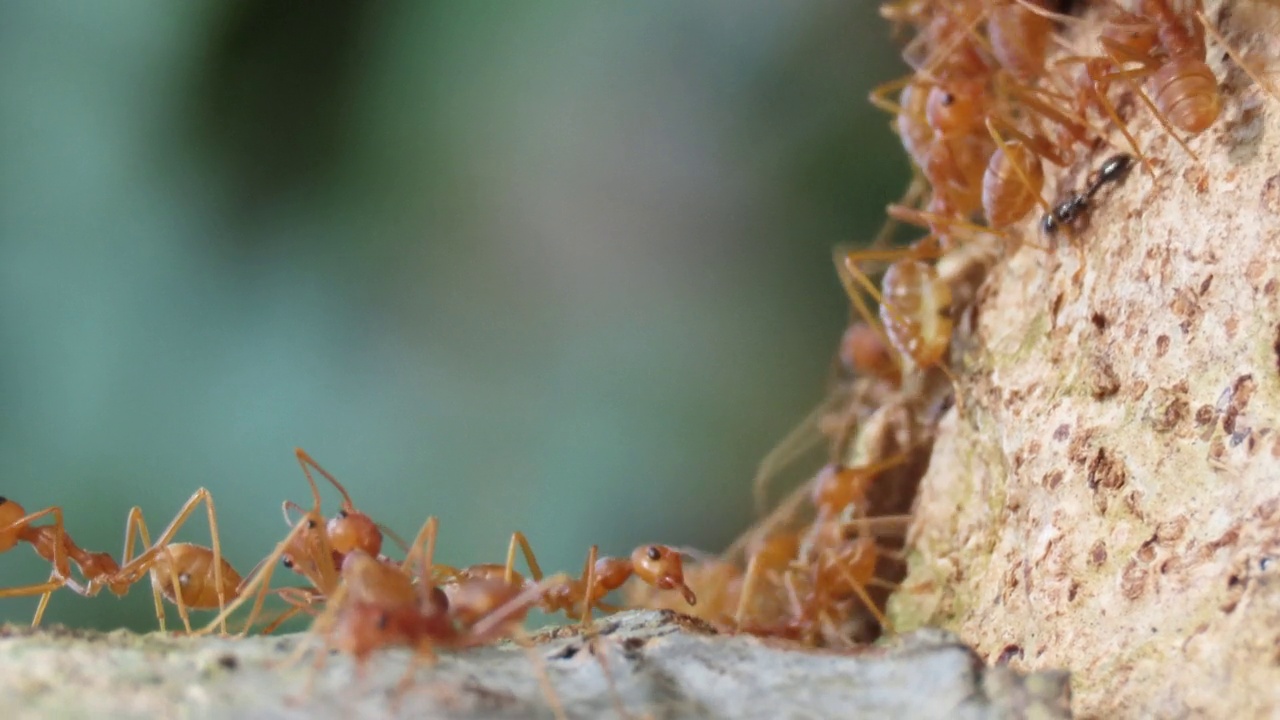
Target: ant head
{"x":353,"y":530}
{"x":305,"y":545}
{"x":1049,"y":224}
{"x":662,"y":567}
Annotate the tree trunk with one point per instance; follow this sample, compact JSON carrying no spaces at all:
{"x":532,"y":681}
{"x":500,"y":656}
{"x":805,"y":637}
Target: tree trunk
{"x":1108,"y":498}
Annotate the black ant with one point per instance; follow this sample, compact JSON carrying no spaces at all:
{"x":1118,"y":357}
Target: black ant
{"x":1072,"y":209}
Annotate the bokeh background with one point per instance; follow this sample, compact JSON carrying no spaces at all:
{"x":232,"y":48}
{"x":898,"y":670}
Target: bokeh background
{"x":561,"y":267}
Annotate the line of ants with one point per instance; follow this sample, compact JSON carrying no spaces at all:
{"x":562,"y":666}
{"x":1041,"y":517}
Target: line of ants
{"x":369,"y":600}
{"x":982,"y":112}
{"x":363,"y":600}
{"x":198,"y":577}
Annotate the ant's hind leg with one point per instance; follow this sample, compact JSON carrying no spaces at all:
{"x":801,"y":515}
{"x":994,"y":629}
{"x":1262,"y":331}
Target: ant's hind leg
{"x":589,"y":584}
{"x":518,"y":539}
{"x":44,"y":589}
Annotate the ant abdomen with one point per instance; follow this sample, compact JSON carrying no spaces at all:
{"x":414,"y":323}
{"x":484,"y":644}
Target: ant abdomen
{"x":863,"y":352}
{"x":1011,"y":185}
{"x":194,"y":568}
{"x":911,"y":124}
{"x":1019,"y":40}
{"x":1186,"y":91}
{"x":916,"y":311}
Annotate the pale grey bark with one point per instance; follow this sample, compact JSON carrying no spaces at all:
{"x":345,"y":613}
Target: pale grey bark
{"x":663,"y":666}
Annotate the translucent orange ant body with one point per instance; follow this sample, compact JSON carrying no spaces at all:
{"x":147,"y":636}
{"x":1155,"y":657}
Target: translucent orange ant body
{"x":863,"y":352}
{"x":190,"y":576}
{"x":50,"y":542}
{"x":379,"y":605}
{"x":1019,"y":37}
{"x":314,"y":548}
{"x":658,"y":566}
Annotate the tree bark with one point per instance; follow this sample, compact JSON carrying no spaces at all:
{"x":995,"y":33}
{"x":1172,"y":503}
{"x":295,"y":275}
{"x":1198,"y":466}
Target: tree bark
{"x":661,"y":664}
{"x":1108,"y":501}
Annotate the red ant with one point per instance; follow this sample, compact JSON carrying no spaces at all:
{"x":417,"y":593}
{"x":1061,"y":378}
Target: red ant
{"x":189,"y":576}
{"x":378,"y":605}
{"x":658,"y":566}
{"x":314,"y":548}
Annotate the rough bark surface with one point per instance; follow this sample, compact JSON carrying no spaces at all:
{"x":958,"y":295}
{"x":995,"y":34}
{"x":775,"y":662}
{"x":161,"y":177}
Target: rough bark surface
{"x":1109,"y":500}
{"x":663,"y":666}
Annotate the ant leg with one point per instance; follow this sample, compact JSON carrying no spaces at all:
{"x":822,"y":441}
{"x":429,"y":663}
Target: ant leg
{"x":423,"y":548}
{"x":911,"y":199}
{"x":258,"y":583}
{"x":799,"y":441}
{"x":44,"y":599}
{"x":780,"y":515}
{"x":1120,"y":54}
{"x":1239,"y":60}
{"x":395,"y":538}
{"x":518,"y":538}
{"x":878,"y":94}
{"x":306,"y":460}
{"x":926,"y":219}
{"x":135,"y":525}
{"x":300,"y":601}
{"x":323,"y":624}
{"x":589,"y":583}
{"x":217,"y":565}
{"x":43,"y":588}
{"x":146,"y":561}
{"x":866,"y":600}
{"x":748,"y":590}
{"x":1098,"y":85}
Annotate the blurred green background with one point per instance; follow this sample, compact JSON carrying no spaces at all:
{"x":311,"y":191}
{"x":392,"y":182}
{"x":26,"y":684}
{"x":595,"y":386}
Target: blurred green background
{"x":561,"y":267}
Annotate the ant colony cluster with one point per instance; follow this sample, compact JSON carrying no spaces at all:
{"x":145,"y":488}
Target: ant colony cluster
{"x":994,"y":111}
{"x":991,"y":107}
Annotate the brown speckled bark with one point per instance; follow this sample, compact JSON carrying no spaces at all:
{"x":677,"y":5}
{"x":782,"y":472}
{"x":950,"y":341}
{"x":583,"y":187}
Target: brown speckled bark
{"x":1109,"y":502}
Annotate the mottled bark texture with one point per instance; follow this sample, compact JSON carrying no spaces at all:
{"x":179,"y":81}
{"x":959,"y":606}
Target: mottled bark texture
{"x":1108,"y":501}
{"x":662,"y":666}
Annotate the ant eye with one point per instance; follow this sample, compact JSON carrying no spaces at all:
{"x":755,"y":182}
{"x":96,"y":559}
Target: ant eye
{"x":342,"y":513}
{"x":654,"y":553}
{"x":948,"y":98}
{"x":3,"y":499}
{"x":287,"y":562}
{"x":311,"y":524}
{"x":382,"y":621}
